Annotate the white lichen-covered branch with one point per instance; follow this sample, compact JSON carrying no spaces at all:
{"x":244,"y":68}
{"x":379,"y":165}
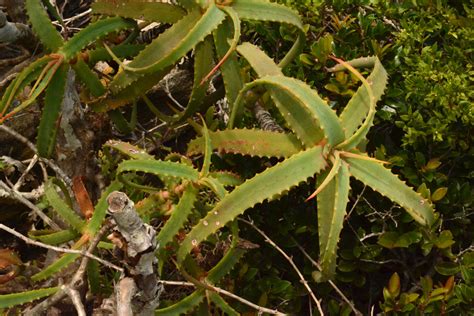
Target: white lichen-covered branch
{"x":138,"y":292}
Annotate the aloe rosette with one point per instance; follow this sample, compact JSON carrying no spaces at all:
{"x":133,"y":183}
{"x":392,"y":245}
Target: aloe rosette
{"x":320,"y":144}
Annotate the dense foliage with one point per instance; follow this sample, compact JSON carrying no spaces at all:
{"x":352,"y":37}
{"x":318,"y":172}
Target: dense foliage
{"x":387,"y":253}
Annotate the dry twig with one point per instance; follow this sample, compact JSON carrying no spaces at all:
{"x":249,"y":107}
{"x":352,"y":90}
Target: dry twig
{"x":333,"y":285}
{"x":196,"y":283}
{"x":77,"y":279}
{"x":290,"y":260}
{"x":59,"y":249}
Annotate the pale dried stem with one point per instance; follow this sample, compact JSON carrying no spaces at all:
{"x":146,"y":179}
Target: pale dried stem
{"x":77,"y":279}
{"x":20,"y":198}
{"x":76,"y":300}
{"x":32,"y":147}
{"x":32,"y":163}
{"x":199,"y":284}
{"x":59,"y":249}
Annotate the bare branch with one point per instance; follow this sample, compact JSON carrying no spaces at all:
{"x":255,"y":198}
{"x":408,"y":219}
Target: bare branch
{"x":78,"y":277}
{"x":333,"y":285}
{"x":59,"y":249}
{"x":288,"y":258}
{"x":20,"y":198}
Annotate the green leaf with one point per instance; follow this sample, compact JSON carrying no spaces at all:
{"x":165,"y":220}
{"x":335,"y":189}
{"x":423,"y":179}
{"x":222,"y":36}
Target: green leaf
{"x":26,"y":76}
{"x":303,"y":109}
{"x":249,"y":142}
{"x":230,"y":70}
{"x":439,"y":194}
{"x":359,"y":105}
{"x":55,"y":267}
{"x":225,"y":265}
{"x":130,"y":93}
{"x":89,"y":78}
{"x":213,"y":184}
{"x":206,"y":164}
{"x":100,"y":209}
{"x":121,"y":51}
{"x":385,"y":182}
{"x":332,"y":202}
{"x":10,"y":300}
{"x":42,"y":25}
{"x":394,"y":285}
{"x":222,"y":304}
{"x":260,"y":62}
{"x":356,"y":63}
{"x":159,"y":168}
{"x":49,"y":72}
{"x":388,"y":239}
{"x":171,"y":45}
{"x":447,"y":268}
{"x":62,"y":209}
{"x":93,"y":32}
{"x":282,"y":177}
{"x":140,"y":10}
{"x":55,"y":238}
{"x":444,"y":240}
{"x":128,"y":149}
{"x":53,"y":100}
{"x":227,"y":178}
{"x":184,"y":306}
{"x":263,"y":10}
{"x":178,"y":216}
{"x":203,"y":62}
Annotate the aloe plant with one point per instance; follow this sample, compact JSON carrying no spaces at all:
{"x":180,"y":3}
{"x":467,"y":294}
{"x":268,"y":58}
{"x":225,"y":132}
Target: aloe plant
{"x":50,"y":71}
{"x":199,"y":25}
{"x":320,"y":144}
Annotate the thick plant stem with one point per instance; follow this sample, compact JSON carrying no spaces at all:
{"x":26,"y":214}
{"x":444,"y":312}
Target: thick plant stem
{"x":139,"y":292}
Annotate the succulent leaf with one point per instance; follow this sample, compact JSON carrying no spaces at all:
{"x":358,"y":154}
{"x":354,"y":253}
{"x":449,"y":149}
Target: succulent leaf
{"x":222,"y":304}
{"x":282,"y":177}
{"x":53,"y":100}
{"x":332,"y":203}
{"x":203,"y":61}
{"x":159,"y":168}
{"x":62,"y":209}
{"x":221,"y":269}
{"x":249,"y":142}
{"x":359,"y":105}
{"x":303,"y":109}
{"x":128,"y":149}
{"x":93,"y":32}
{"x":178,"y":216}
{"x":25,"y":77}
{"x":171,"y":45}
{"x":227,"y":178}
{"x":263,"y":10}
{"x":140,"y":9}
{"x":230,"y":70}
{"x":55,"y":238}
{"x":10,"y":300}
{"x":385,"y":182}
{"x":356,"y":63}
{"x":213,"y":184}
{"x":260,"y":62}
{"x":42,"y":25}
{"x":100,"y":209}
{"x":89,"y":78}
{"x":55,"y":267}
